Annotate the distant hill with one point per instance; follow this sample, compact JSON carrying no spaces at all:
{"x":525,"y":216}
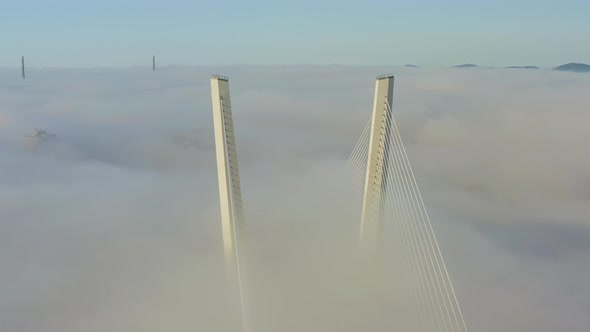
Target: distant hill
{"x":466,"y":65}
{"x":574,"y":67}
{"x":411,"y":66}
{"x":522,"y":67}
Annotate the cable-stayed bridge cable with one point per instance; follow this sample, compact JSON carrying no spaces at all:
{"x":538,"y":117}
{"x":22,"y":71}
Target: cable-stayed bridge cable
{"x":395,"y":210}
{"x":458,"y":317}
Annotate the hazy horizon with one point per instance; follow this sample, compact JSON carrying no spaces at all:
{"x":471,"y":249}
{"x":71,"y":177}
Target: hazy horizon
{"x":147,"y":66}
{"x":497,"y":33}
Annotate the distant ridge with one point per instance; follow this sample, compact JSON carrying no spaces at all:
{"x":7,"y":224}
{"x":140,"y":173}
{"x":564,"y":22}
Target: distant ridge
{"x":574,"y":67}
{"x":411,"y":66}
{"x":466,"y":65}
{"x":522,"y":67}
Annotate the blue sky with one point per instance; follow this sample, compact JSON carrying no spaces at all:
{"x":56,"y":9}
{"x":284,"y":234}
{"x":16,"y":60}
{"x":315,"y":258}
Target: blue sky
{"x":79,"y":33}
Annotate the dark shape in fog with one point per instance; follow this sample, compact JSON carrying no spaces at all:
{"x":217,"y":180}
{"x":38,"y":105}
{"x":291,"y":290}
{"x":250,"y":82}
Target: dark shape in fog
{"x":41,"y":135}
{"x":574,"y":67}
{"x":466,"y":65}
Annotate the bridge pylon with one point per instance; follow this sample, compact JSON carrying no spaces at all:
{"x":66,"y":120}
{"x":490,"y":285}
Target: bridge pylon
{"x":376,"y":173}
{"x":395,"y":224}
{"x":230,"y":194}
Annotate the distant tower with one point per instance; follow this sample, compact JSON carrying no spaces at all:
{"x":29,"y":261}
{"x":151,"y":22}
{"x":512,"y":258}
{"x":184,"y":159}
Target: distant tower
{"x":22,"y":59}
{"x":153,"y":63}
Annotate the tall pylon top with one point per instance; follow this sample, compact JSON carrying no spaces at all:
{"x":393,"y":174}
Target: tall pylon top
{"x":220,"y":77}
{"x":384,"y":76}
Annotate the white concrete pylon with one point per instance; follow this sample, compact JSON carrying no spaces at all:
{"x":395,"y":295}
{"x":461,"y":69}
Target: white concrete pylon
{"x":375,"y":177}
{"x":227,"y":169}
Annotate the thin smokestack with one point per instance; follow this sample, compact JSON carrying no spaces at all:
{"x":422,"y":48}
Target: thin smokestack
{"x":23,"y":66}
{"x":153,"y":63}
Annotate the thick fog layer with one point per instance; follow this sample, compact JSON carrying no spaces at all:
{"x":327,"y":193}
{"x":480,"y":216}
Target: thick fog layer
{"x":113,"y":225}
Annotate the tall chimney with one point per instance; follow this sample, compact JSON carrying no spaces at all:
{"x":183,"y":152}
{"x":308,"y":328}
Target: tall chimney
{"x":23,"y":66}
{"x":153,"y":63}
